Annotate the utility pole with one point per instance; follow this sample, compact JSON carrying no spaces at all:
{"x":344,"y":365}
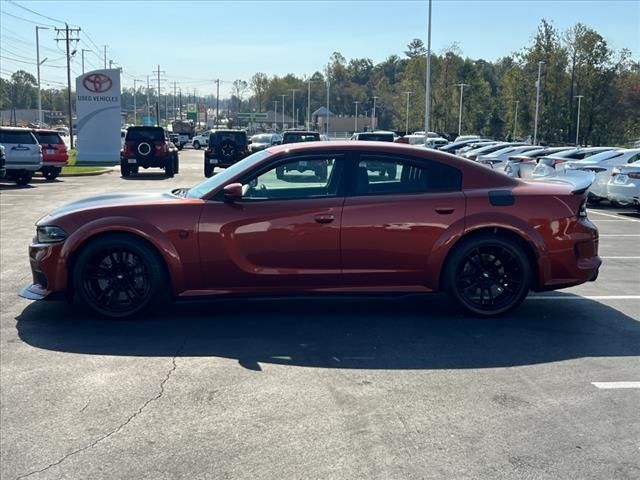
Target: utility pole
{"x":427,"y":89}
{"x":293,"y":107}
{"x":84,"y":50}
{"x":275,"y":115}
{"x":67,"y":39}
{"x":38,"y":63}
{"x":461,"y":85}
{"x":356,"y":121}
{"x":327,"y":116}
{"x":105,"y":57}
{"x":406,"y":124}
{"x":217,"y":100}
{"x":180,"y":103}
{"x":515,"y":121}
{"x":309,"y":104}
{"x":158,"y":102}
{"x":135,"y":108}
{"x":373,"y":114}
{"x":535,"y":125}
{"x":579,"y":97}
{"x":283,"y":97}
{"x":175,"y":95}
{"x":148,"y":99}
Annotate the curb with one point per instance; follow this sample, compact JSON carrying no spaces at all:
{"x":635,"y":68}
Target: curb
{"x":88,"y":174}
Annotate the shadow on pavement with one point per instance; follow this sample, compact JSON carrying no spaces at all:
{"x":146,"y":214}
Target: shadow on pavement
{"x":418,"y":332}
{"x":147,"y":176}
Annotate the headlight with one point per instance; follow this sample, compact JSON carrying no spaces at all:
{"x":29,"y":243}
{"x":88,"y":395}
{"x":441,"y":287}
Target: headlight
{"x":50,"y":234}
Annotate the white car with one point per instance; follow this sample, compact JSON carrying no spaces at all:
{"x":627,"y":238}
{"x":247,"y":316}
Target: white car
{"x":623,"y":187}
{"x":23,"y":153}
{"x":485,"y":149}
{"x":498,"y":159}
{"x":553,"y":164}
{"x":521,"y":165}
{"x":466,"y":137}
{"x":200,"y":140}
{"x":602,"y":165}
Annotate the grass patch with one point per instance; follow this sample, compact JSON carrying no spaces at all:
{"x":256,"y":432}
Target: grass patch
{"x":74,"y":170}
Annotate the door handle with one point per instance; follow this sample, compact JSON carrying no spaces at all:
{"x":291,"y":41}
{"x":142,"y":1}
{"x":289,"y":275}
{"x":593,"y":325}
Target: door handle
{"x":445,"y":210}
{"x":324,"y":218}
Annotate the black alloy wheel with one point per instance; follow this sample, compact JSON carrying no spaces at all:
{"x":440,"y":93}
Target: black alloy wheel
{"x":489,"y":276}
{"x":118,"y":276}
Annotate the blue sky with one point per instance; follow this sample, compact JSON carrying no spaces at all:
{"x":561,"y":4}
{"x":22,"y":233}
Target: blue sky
{"x":197,"y":41}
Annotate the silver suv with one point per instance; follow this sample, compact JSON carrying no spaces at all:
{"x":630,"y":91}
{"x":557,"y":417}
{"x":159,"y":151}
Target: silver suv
{"x":23,"y":153}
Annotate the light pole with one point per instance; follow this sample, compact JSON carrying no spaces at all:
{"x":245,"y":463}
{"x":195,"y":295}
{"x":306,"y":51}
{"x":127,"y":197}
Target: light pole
{"x":535,"y":125}
{"x":461,"y":85}
{"x":293,"y":106}
{"x":327,"y":115}
{"x":84,"y":50}
{"x":579,"y":97}
{"x":135,"y":107}
{"x":515,"y":120}
{"x":38,"y":63}
{"x":406,"y":124}
{"x":275,"y":115}
{"x":373,"y":114}
{"x":283,"y":97}
{"x":427,"y":90}
{"x":356,"y":124}
{"x":309,"y":104}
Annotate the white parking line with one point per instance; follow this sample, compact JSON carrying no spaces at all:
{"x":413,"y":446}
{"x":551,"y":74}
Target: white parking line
{"x":621,"y":235}
{"x":609,"y":385}
{"x":583,"y":297}
{"x":617,"y":217}
{"x":620,"y":258}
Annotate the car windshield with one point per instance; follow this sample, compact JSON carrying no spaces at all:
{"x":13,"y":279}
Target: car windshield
{"x":49,"y":138}
{"x":150,"y":134}
{"x":17,"y":136}
{"x":221,"y":178}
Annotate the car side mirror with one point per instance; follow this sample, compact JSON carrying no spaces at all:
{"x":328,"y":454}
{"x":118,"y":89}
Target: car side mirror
{"x":232,"y":192}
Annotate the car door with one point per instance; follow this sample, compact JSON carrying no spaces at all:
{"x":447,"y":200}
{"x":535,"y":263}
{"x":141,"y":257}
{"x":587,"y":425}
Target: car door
{"x":397,"y":210}
{"x":284,"y":234}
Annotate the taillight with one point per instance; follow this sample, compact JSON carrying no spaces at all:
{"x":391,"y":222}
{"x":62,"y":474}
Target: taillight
{"x":582,"y":211}
{"x":160,"y":146}
{"x":558,"y":161}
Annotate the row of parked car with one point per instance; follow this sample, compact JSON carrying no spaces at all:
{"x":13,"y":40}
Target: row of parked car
{"x":25,"y":151}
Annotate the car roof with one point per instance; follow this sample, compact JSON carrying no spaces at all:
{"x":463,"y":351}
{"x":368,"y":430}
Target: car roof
{"x":45,"y":130}
{"x":228,"y":130}
{"x":301,"y":132}
{"x":17,"y":129}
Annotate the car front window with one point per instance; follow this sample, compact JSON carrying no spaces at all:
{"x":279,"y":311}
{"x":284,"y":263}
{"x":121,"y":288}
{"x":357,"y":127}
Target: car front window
{"x":223,"y":177}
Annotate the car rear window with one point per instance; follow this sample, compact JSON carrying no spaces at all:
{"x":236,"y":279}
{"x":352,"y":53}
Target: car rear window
{"x":149,"y":134}
{"x":24,"y":138}
{"x":49,"y":138}
{"x":300,"y":137}
{"x":376,"y":137}
{"x":237,"y":137}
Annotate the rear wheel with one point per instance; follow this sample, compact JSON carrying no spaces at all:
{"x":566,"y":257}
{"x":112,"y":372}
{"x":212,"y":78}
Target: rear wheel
{"x":208,"y":170}
{"x":51,"y":173}
{"x":196,"y":145}
{"x":24,"y":178}
{"x":176,"y":164}
{"x":125,"y":169}
{"x":488,"y":275}
{"x":169,"y":165}
{"x":119,"y":276}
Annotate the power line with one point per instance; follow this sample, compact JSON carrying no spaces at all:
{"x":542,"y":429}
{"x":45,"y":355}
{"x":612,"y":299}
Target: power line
{"x":29,"y":21}
{"x":34,"y":12}
{"x":30,"y":63}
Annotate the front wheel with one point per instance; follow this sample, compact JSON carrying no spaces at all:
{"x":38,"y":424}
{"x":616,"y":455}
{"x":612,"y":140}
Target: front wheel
{"x":51,"y":173}
{"x":196,"y":145}
{"x":488,"y":275}
{"x":24,"y":178}
{"x":118,"y":276}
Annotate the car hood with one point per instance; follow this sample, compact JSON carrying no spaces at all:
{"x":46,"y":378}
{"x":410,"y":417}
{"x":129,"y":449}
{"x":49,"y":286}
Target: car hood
{"x":111,"y":200}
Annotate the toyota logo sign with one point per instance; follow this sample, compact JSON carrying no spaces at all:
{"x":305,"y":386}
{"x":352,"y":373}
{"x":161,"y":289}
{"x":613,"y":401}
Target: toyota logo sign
{"x":97,"y":82}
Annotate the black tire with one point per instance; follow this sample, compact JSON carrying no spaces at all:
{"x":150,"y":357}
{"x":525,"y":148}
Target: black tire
{"x":118,"y":276}
{"x":488,"y":266}
{"x":51,"y":173}
{"x":593,"y":200}
{"x":196,"y":145}
{"x":208,"y":170}
{"x":623,"y":204}
{"x":176,"y":164}
{"x":169,"y":165}
{"x":134,"y":168}
{"x":24,"y":178}
{"x":125,"y":169}
{"x":279,"y":173}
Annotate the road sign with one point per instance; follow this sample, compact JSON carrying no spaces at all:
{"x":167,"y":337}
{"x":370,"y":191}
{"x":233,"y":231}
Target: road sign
{"x":191,"y":108}
{"x":192,"y":115}
{"x":252,"y":116}
{"x":201,"y":108}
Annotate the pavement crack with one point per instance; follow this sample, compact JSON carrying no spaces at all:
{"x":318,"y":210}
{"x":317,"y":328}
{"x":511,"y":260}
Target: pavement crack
{"x":115,"y":430}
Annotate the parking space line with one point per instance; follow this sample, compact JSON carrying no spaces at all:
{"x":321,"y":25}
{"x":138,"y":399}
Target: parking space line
{"x":620,"y":258}
{"x":615,"y":216}
{"x":621,"y":235}
{"x":583,"y":297}
{"x":611,"y":385}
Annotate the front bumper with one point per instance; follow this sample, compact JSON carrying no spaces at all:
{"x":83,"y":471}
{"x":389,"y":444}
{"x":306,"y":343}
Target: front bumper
{"x":49,"y":273}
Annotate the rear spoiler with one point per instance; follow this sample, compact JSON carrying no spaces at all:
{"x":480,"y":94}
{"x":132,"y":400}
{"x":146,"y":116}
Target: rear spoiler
{"x":580,"y":181}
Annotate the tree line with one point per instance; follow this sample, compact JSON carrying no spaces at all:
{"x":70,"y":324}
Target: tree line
{"x":499,"y":97}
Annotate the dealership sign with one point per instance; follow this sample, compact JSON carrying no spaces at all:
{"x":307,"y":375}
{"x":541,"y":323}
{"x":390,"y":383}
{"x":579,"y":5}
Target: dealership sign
{"x":98,"y":106}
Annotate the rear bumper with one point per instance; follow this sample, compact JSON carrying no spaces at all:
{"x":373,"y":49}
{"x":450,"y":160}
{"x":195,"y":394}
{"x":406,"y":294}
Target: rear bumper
{"x":157,"y":162}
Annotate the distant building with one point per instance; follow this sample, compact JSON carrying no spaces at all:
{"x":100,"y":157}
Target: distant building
{"x":26,"y":116}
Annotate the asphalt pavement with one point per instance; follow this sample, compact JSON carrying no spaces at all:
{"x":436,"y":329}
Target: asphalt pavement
{"x":317,"y":388}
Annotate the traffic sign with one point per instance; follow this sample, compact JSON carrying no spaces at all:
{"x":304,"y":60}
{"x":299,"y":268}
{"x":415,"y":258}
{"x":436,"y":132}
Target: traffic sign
{"x":191,"y":108}
{"x":252,"y":116}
